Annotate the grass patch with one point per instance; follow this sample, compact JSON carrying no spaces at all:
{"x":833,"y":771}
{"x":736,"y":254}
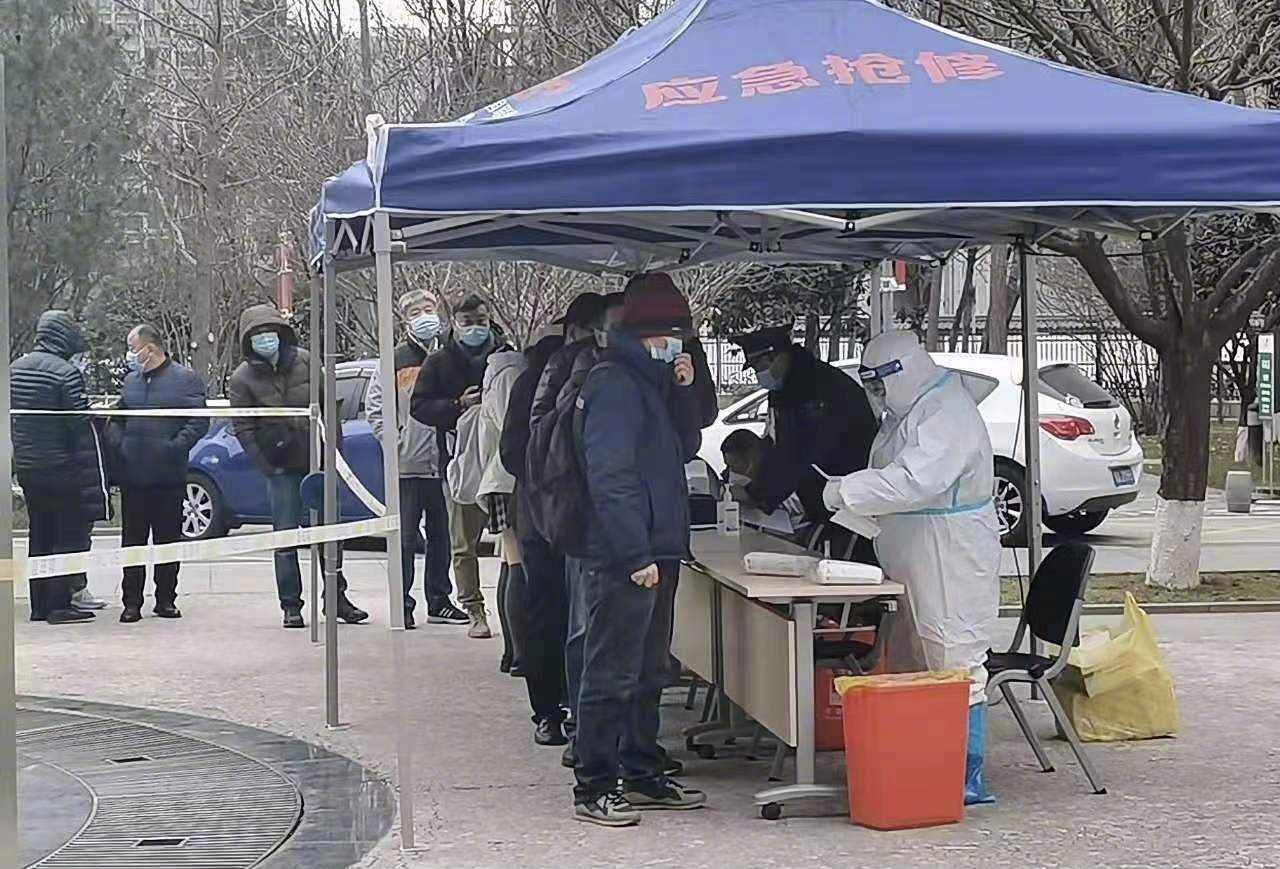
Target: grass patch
{"x":1222,"y":451}
{"x":1213,"y":588}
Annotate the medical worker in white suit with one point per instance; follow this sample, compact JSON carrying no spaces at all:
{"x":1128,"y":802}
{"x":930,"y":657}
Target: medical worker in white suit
{"x":929,"y":488}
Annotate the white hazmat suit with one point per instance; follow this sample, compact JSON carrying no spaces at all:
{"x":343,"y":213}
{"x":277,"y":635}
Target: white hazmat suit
{"x":929,"y":487}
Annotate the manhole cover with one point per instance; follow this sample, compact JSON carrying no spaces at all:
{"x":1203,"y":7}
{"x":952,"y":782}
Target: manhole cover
{"x":162,"y":800}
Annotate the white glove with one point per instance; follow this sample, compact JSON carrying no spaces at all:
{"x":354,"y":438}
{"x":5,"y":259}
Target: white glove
{"x":831,"y":495}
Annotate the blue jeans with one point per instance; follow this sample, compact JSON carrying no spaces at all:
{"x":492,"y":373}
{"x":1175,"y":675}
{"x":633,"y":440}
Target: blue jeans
{"x":628,"y":649}
{"x":286,"y":515}
{"x":576,"y":635}
{"x":422,"y":499}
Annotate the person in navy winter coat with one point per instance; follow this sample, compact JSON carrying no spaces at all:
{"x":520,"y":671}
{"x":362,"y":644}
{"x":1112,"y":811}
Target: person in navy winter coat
{"x":58,"y":461}
{"x":638,"y":424}
{"x":151,"y":462}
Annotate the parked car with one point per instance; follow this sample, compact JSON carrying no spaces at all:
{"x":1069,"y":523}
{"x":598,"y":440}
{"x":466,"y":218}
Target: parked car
{"x":1090,"y":461}
{"x":225,"y":490}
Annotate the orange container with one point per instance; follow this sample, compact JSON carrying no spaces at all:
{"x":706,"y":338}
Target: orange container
{"x":905,"y":748}
{"x":828,"y":707}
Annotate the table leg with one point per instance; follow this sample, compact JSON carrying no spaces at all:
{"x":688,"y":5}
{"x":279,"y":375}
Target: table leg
{"x":721,"y":719}
{"x":805,"y":788}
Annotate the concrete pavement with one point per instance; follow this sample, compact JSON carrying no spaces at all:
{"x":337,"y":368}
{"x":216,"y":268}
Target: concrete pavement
{"x":488,"y":797}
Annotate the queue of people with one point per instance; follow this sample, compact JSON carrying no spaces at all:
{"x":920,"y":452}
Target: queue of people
{"x":572,"y":453}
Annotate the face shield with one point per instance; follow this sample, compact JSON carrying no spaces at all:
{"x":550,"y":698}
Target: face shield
{"x":873,"y":384}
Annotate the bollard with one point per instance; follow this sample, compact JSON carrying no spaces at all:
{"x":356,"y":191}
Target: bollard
{"x":1239,"y":491}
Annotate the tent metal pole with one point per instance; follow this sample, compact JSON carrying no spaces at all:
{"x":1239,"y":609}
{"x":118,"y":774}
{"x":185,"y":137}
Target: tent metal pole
{"x":317,"y":290}
{"x":8,"y":650}
{"x":1031,"y":410}
{"x":391,"y":486}
{"x":331,"y":435}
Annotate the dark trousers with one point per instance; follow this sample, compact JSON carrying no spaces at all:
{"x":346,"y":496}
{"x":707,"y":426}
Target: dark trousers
{"x":575,"y":632}
{"x":546,"y":613}
{"x":286,"y":515}
{"x":57,"y":527}
{"x":422,"y":500}
{"x":153,"y":513}
{"x":626,"y":667}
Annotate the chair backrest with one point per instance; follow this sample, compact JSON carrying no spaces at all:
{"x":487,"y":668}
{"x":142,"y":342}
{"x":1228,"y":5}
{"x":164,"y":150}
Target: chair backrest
{"x":1059,"y":582}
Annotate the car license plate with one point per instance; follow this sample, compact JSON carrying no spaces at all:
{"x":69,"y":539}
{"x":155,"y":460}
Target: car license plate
{"x":1122,"y":476}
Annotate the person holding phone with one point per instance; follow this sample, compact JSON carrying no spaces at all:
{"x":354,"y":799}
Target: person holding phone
{"x":450,"y":382}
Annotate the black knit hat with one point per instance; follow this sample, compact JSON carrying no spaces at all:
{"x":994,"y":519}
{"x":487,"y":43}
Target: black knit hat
{"x":584,"y":310}
{"x":652,"y":305}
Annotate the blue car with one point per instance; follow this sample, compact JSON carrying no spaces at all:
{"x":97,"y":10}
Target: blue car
{"x":225,"y":490}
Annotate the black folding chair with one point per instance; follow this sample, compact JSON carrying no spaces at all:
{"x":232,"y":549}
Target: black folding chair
{"x":1052,"y":614}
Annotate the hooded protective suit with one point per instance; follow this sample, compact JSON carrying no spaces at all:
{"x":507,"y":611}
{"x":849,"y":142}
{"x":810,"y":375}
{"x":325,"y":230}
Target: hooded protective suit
{"x":929,"y":485}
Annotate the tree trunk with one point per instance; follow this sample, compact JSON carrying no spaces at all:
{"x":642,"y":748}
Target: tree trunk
{"x":963,"y":321}
{"x":835,"y":348}
{"x":1185,"y":378}
{"x":934,"y":308}
{"x":811,"y":329}
{"x":995,"y":335}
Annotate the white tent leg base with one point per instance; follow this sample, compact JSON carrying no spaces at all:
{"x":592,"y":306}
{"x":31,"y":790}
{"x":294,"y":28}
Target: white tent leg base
{"x":1175,"y":544}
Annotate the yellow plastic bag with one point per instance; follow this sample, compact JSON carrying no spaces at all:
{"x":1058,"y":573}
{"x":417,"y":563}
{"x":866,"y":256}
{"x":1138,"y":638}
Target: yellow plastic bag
{"x":845,"y":684}
{"x":1116,"y":685}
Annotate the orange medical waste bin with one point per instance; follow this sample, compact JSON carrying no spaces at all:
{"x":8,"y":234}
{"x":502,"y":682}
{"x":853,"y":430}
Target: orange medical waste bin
{"x":905,"y":739}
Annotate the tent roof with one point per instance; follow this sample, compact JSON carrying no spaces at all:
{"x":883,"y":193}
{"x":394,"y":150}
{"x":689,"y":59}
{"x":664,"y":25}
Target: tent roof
{"x":805,"y":129}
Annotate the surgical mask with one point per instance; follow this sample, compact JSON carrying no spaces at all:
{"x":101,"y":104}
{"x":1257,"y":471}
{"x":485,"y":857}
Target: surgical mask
{"x":131,"y":359}
{"x":668,"y":352}
{"x":266,"y":345}
{"x":877,"y":398}
{"x":473,"y":336}
{"x":424,"y":327}
{"x":768,"y":381}
{"x":733,"y":478}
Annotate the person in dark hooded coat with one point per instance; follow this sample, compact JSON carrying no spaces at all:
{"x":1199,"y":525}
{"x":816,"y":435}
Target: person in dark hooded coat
{"x":58,"y":460}
{"x":276,"y":372}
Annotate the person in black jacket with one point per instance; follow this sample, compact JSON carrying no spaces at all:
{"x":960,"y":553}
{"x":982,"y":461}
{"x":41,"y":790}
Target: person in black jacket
{"x":820,"y":416}
{"x":276,"y":372}
{"x":450,"y":382}
{"x":151,"y":454}
{"x":546,"y":606}
{"x":638,"y":424}
{"x":58,"y":460}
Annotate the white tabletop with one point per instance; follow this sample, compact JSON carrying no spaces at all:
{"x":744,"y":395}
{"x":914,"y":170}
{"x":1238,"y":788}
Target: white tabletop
{"x":720,"y":557}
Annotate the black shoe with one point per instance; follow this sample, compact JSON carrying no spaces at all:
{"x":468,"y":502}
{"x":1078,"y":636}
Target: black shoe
{"x":168,"y":611}
{"x":68,"y":617}
{"x":350,"y":613}
{"x":409,"y":621}
{"x":671,"y":766}
{"x":550,"y":731}
{"x":447,"y":614}
{"x":504,"y":666}
{"x":569,"y":759}
{"x":39,"y":617}
{"x":610,"y":810}
{"x":516,"y":671}
{"x":130,"y":615}
{"x":293,"y":618}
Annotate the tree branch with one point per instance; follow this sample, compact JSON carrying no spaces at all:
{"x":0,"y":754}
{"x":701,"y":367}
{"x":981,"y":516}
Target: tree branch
{"x":1087,"y":250}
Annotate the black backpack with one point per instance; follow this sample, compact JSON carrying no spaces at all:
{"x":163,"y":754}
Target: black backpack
{"x":554,"y":481}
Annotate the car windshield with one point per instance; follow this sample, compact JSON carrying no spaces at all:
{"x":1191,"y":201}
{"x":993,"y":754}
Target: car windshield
{"x":1069,"y":384}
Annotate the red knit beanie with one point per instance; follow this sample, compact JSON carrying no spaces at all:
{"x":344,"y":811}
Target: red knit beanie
{"x":652,"y":305}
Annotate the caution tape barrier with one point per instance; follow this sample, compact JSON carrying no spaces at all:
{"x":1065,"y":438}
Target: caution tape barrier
{"x":45,"y":566}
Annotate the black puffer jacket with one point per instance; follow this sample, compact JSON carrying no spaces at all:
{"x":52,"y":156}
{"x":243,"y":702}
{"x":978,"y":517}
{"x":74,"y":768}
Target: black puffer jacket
{"x":152,"y":451}
{"x":276,"y":445}
{"x":57,"y":452}
{"x":444,"y":376}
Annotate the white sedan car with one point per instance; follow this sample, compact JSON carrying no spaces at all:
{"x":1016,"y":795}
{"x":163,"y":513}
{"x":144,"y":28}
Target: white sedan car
{"x":1090,"y":460}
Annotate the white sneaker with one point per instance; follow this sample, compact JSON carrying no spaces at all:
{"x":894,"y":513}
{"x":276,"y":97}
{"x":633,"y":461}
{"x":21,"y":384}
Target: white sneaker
{"x":85,"y":600}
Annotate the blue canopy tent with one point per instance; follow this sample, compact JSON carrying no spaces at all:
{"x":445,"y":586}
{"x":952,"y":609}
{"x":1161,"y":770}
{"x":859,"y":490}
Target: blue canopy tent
{"x":804,"y":131}
{"x":815,"y":129}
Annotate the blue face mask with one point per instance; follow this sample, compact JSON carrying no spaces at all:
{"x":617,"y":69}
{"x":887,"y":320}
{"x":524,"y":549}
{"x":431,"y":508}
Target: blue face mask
{"x":132,"y":361}
{"x":473,"y":336}
{"x":669,"y":351}
{"x":266,"y":345}
{"x":424,"y":327}
{"x":768,"y":381}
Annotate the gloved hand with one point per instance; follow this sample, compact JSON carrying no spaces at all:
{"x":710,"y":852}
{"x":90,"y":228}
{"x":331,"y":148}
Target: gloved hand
{"x":831,"y":495}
